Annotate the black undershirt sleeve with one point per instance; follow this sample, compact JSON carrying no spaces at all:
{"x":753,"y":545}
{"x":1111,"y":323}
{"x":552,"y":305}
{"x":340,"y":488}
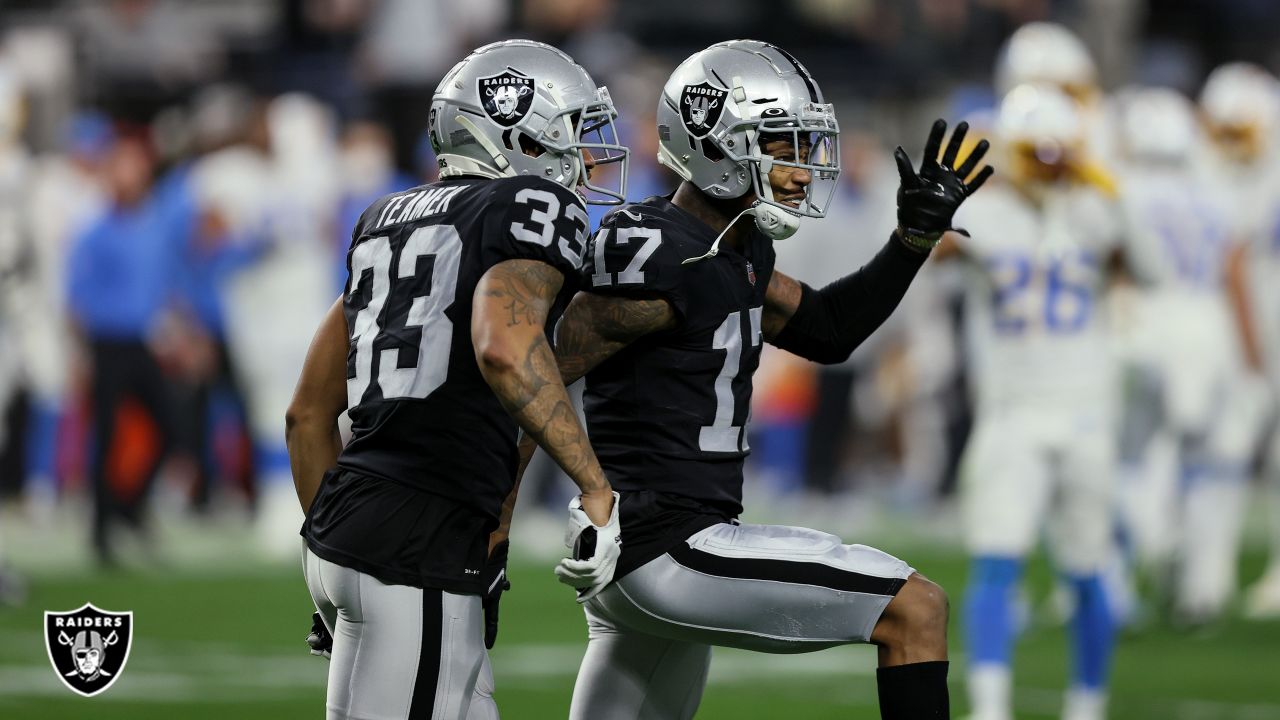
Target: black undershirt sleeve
{"x":829,"y":323}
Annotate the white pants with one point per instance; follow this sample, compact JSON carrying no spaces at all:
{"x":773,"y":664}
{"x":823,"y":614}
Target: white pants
{"x":767,"y":588}
{"x":400,"y":651}
{"x":1027,"y":472}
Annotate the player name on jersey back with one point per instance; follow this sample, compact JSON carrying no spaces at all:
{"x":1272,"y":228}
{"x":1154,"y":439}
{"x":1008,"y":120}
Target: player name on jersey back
{"x":415,"y":205}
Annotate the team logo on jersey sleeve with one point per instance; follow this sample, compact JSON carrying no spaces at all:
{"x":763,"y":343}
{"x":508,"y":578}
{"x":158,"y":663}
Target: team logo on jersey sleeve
{"x":506,"y":98}
{"x":88,"y":647}
{"x":700,"y":108}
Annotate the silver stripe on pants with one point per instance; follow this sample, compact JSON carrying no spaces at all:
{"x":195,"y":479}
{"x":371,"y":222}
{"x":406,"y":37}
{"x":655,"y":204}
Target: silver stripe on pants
{"x":651,"y":632}
{"x":378,"y":643}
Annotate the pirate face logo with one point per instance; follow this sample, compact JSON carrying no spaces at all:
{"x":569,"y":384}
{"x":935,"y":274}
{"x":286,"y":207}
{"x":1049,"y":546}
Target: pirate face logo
{"x":88,"y":647}
{"x":700,"y":108}
{"x":505,"y":98}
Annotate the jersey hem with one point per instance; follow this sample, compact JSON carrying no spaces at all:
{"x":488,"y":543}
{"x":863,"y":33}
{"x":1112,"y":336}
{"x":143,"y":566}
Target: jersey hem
{"x":391,"y":576}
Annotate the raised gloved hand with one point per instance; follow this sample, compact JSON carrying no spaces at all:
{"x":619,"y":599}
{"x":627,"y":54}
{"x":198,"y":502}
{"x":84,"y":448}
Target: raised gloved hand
{"x":495,"y":583}
{"x":595,"y":551}
{"x":928,"y":200}
{"x":319,"y":639}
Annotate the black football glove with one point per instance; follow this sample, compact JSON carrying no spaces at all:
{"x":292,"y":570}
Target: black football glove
{"x":319,"y":639}
{"x":495,"y":583}
{"x":927,"y":201}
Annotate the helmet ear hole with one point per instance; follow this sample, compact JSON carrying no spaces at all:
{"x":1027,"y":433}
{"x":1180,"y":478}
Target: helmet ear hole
{"x":529,"y":146}
{"x":710,"y":151}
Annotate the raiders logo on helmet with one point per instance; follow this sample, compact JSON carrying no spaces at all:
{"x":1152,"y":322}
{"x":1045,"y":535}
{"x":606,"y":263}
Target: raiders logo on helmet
{"x":700,"y":108}
{"x":88,"y":647}
{"x":506,"y":98}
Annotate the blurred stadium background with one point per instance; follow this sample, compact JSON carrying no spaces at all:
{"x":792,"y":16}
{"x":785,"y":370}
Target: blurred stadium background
{"x":247,"y":135}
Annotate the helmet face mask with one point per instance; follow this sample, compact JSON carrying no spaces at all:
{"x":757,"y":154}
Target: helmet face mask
{"x":586,"y":140}
{"x":808,"y":142}
{"x":1241,"y":142}
{"x":504,"y":96}
{"x":1042,"y":133}
{"x":737,"y":111}
{"x":1044,"y":161}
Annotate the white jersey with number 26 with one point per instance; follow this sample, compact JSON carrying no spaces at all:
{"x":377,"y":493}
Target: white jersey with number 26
{"x":1034,"y":329}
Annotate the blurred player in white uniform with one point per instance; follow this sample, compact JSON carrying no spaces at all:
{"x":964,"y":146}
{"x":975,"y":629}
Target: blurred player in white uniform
{"x":292,"y":277}
{"x":1041,"y":455}
{"x":1050,"y":53}
{"x":14,"y":248}
{"x":15,"y":275}
{"x":1240,"y":104}
{"x":1186,"y":399}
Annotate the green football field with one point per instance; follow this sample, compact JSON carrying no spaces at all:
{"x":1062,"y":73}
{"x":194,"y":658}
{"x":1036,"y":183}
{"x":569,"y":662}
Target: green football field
{"x":228,"y":644}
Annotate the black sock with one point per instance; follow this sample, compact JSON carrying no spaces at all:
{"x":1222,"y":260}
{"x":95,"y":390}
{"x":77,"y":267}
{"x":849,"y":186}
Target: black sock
{"x":914,"y":692}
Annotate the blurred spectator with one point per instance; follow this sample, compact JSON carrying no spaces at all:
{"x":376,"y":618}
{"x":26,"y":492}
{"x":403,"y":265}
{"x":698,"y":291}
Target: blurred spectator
{"x":288,"y":200}
{"x":120,"y":279}
{"x":406,"y":48}
{"x":315,"y":47}
{"x":368,"y":173}
{"x":141,"y":54}
{"x":15,"y":264}
{"x":66,"y":194}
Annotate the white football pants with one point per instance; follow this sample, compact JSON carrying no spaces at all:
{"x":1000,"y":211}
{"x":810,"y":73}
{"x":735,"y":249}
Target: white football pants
{"x":767,"y":588}
{"x":399,"y":651}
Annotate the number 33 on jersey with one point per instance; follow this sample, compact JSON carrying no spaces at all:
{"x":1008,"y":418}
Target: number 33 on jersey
{"x":415,"y":260}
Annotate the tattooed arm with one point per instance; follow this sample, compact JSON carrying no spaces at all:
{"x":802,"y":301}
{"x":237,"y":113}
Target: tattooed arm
{"x":509,"y":313}
{"x":311,"y":422}
{"x":526,"y":446}
{"x":593,"y":328}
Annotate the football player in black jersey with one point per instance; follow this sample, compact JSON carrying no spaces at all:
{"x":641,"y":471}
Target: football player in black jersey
{"x":437,"y":349}
{"x":679,"y":293}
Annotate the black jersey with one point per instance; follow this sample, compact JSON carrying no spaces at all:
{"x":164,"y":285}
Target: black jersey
{"x":668,"y":414}
{"x":425,"y":424}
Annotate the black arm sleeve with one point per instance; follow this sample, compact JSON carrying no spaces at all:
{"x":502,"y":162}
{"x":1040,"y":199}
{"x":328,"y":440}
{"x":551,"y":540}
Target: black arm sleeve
{"x":829,"y":323}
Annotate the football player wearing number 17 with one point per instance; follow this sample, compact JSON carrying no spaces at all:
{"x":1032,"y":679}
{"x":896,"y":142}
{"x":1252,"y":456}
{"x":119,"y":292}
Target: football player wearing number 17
{"x":679,"y":294}
{"x":438,"y":348}
{"x":1042,"y":449}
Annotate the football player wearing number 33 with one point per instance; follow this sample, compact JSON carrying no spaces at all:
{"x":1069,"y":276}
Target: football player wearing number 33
{"x":438,"y":349}
{"x":679,"y":292}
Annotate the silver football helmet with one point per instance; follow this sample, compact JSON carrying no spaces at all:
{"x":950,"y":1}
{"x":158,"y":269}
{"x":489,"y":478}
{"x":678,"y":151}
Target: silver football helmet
{"x":1240,"y":103}
{"x":1158,"y":125}
{"x":723,"y":104}
{"x":1044,"y":52}
{"x":519,"y":107}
